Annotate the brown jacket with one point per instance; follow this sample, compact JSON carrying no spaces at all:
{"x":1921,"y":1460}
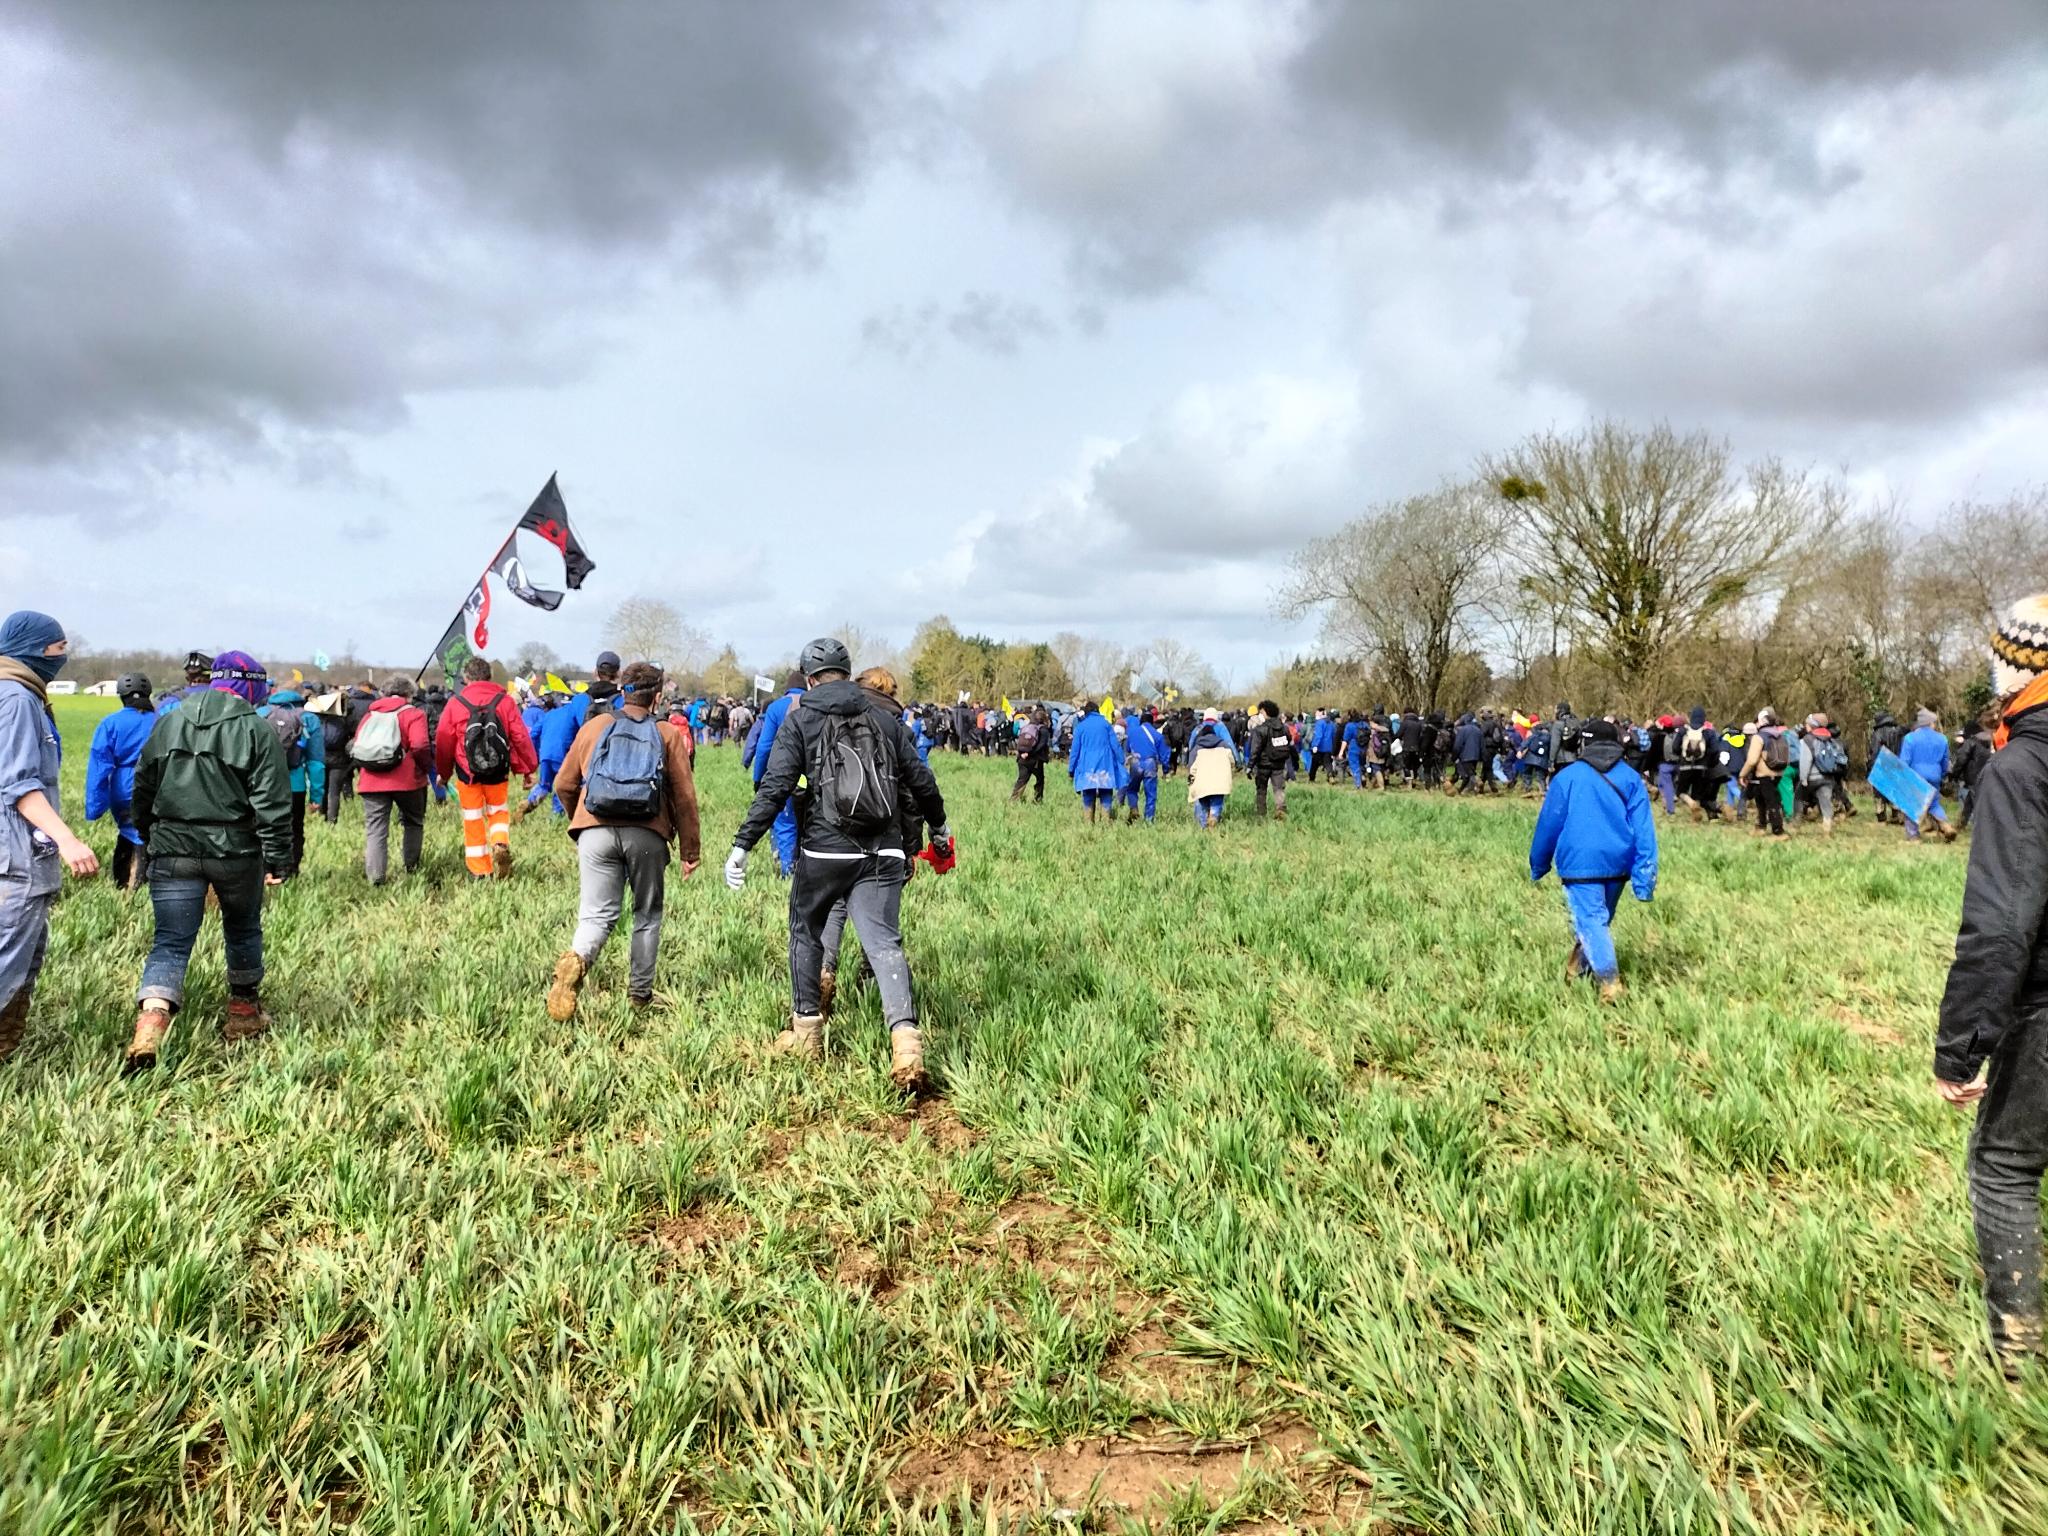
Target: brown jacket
{"x":677,"y":820}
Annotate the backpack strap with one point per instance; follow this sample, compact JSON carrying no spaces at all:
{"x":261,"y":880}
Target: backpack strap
{"x":1580,"y":762}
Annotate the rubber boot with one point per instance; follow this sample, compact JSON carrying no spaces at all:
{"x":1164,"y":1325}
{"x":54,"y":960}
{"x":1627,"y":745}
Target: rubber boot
{"x":152,"y":1023}
{"x":569,"y":973}
{"x":906,"y":1058}
{"x":805,"y":1037}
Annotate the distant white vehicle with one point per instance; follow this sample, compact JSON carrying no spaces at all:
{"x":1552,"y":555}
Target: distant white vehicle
{"x":63,"y":687}
{"x":99,"y":690}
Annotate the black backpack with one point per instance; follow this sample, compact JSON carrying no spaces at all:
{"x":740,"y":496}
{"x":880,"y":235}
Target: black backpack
{"x":484,"y":747}
{"x":288,"y":723}
{"x":852,"y":774}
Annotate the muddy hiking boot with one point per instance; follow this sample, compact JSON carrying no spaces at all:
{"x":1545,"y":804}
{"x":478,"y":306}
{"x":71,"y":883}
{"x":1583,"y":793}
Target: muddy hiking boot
{"x":906,"y":1058}
{"x":828,"y":988}
{"x":152,"y":1023}
{"x":804,"y":1039}
{"x":501,"y":861}
{"x":246,"y":1019}
{"x":13,"y":1024}
{"x":1575,"y":963}
{"x":568,"y":981}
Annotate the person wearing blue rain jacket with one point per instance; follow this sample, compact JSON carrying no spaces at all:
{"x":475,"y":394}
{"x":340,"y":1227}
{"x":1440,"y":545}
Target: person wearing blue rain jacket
{"x":558,"y":730}
{"x":533,"y":714}
{"x":110,"y":774}
{"x":1354,"y":749}
{"x":1597,"y":831}
{"x":760,"y":746}
{"x":1144,"y":756}
{"x":919,"y":738}
{"x":1925,"y":751}
{"x":1322,"y":746}
{"x":1095,"y":761}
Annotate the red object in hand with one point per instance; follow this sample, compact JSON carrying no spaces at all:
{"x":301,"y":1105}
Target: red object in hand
{"x":942,"y":864}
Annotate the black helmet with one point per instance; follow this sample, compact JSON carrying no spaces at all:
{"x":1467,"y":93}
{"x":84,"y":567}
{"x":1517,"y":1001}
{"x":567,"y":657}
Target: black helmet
{"x":198,"y":661}
{"x":130,"y":684}
{"x":826,"y":655}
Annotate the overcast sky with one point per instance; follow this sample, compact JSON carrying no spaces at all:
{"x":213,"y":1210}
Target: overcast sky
{"x":1042,"y":315}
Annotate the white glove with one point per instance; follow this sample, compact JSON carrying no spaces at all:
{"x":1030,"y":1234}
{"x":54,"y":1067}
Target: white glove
{"x":736,"y":869}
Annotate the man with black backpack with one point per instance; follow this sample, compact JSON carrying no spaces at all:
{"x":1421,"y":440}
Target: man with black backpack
{"x":480,"y":743}
{"x":1268,"y":754}
{"x":1821,"y":761}
{"x":627,"y":787}
{"x":857,"y":762}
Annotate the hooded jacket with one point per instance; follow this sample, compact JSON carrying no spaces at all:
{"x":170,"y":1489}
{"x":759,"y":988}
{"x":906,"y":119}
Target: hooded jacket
{"x":1925,"y":751}
{"x":110,"y":767}
{"x":2000,"y":974}
{"x":1596,"y":823}
{"x":788,"y":763}
{"x":451,"y":738}
{"x":212,"y":784}
{"x":415,"y":758}
{"x":1466,"y":743}
{"x":1095,"y":761}
{"x":310,"y":776}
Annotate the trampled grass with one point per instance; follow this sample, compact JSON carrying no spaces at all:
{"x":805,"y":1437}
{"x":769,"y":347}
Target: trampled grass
{"x":1273,"y":1177}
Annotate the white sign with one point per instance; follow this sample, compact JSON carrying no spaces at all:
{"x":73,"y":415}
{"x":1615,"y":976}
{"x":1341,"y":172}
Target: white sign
{"x":765,"y":684}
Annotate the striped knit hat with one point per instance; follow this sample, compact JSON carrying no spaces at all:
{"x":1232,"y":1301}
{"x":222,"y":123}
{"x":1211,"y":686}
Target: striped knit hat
{"x":2019,"y":646}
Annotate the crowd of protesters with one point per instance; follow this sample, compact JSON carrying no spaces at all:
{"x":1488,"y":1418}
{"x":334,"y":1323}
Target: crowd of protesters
{"x":208,"y":785}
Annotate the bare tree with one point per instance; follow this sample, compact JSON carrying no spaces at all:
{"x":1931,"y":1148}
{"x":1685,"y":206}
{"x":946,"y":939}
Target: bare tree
{"x":1406,"y":587}
{"x":1990,"y":554}
{"x":1097,"y":666}
{"x":1641,"y":537}
{"x":871,"y":648}
{"x":647,"y":628}
{"x":534,"y":656}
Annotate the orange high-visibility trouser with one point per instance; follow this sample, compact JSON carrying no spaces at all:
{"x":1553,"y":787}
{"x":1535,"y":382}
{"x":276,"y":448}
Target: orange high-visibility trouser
{"x":485,"y":820}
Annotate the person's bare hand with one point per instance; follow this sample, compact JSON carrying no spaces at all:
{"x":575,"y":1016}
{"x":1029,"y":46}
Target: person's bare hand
{"x":1960,"y":1094}
{"x":689,"y":868}
{"x":78,"y":858}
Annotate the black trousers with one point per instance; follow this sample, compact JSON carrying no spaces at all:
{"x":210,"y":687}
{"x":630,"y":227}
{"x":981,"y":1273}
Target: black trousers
{"x":1030,"y":770}
{"x":2008,"y":1156}
{"x":298,"y":829}
{"x":1320,"y":762}
{"x":1770,"y":810}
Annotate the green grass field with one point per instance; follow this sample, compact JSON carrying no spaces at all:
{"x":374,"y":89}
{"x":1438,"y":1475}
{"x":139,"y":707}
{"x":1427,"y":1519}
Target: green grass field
{"x":1273,"y":1180}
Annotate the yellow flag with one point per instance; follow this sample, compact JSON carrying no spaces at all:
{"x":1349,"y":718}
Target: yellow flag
{"x":556,"y":685}
{"x":582,"y":687}
{"x":298,"y":676}
{"x":1006,"y":705}
{"x":1108,"y":707}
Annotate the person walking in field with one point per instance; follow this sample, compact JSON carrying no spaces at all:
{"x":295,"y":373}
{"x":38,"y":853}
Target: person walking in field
{"x":760,"y":748}
{"x":482,"y":741}
{"x":1972,"y":753}
{"x":1597,"y":830}
{"x":1771,"y":752}
{"x":213,"y":796}
{"x":1886,"y":735}
{"x":629,"y":792}
{"x":1925,"y":751}
{"x":1095,"y":762}
{"x":36,"y":846}
{"x":198,"y":680}
{"x":1034,"y":750}
{"x":551,"y":746}
{"x":1991,"y":1049}
{"x":1212,"y":764}
{"x":1268,"y":754}
{"x":392,"y":755}
{"x":110,"y":774}
{"x":1144,"y":757}
{"x":859,"y":765}
{"x":303,"y":738}
{"x":1820,"y":756}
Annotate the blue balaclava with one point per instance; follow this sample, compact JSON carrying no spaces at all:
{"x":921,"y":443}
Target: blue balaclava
{"x":24,"y":638}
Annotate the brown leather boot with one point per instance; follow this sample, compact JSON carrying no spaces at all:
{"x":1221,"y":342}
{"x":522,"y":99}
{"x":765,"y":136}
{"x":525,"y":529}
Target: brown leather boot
{"x":828,"y":988}
{"x":245,"y":1021}
{"x":152,"y":1023}
{"x":501,"y":861}
{"x":569,"y":973}
{"x":805,"y":1038}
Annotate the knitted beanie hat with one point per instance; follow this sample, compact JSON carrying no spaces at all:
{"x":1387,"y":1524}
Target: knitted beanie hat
{"x":2019,"y":646}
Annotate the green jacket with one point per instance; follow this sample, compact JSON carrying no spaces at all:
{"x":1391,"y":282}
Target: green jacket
{"x":212,"y":784}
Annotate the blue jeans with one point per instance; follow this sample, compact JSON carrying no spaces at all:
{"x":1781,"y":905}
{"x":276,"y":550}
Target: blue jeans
{"x":1150,"y":783}
{"x":1667,"y":786}
{"x":545,"y":784}
{"x":1592,"y":904}
{"x":1209,"y":810}
{"x":177,"y":895}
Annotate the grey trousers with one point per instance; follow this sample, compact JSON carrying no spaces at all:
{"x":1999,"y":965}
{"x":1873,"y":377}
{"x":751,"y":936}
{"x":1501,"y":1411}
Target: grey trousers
{"x":411,"y":806}
{"x":611,"y":859}
{"x":872,"y":890}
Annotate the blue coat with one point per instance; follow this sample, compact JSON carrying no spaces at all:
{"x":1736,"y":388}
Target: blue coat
{"x":762,"y":744}
{"x":557,"y":732}
{"x":1354,"y":740}
{"x":110,"y":767}
{"x":1095,"y":761}
{"x":1324,"y":737}
{"x":1596,"y":824}
{"x":310,"y":777}
{"x":534,"y":715}
{"x":1467,"y":741}
{"x":1925,"y":751}
{"x":1143,"y":741}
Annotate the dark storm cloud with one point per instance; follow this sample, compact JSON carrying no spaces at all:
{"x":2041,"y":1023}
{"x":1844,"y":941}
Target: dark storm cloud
{"x":221,"y":216}
{"x":981,"y":321}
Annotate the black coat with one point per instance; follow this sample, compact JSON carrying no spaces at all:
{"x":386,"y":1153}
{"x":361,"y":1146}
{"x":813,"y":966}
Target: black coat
{"x":2000,"y":974}
{"x":790,"y":758}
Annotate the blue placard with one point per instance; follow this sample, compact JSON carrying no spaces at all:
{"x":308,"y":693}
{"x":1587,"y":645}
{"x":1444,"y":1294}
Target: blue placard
{"x":1901,"y":785}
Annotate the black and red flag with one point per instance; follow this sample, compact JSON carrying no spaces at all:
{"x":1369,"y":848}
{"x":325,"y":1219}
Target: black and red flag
{"x":468,"y":633}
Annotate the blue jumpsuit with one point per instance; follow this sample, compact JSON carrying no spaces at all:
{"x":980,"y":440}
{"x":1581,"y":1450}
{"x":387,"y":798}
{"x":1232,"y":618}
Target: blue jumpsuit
{"x":783,"y":832}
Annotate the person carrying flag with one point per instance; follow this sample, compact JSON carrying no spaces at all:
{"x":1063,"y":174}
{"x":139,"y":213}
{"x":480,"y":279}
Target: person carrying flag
{"x":480,"y":743}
